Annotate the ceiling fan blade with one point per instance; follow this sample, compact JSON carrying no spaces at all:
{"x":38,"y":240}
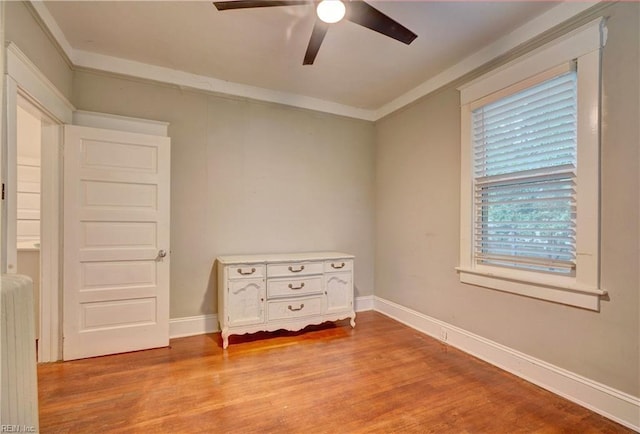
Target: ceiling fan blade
{"x":367,"y":16}
{"x":317,"y":36}
{"x":248,"y":4}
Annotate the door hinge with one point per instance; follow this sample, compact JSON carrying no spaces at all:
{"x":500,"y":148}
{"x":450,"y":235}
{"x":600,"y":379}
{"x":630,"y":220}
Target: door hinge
{"x":3,"y":191}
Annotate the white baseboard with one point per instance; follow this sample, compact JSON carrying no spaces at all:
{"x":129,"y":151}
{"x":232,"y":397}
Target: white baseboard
{"x":364,"y":303}
{"x":201,"y":324}
{"x":193,"y":325}
{"x":611,"y":403}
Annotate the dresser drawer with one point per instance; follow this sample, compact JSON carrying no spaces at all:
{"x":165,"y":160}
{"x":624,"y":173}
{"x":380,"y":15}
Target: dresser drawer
{"x":245,"y":271}
{"x":338,"y":265}
{"x":289,"y":287}
{"x":294,"y":269}
{"x":294,"y":308}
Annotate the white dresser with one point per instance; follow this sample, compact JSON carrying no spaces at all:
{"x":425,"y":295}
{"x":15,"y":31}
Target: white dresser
{"x":283,"y":291}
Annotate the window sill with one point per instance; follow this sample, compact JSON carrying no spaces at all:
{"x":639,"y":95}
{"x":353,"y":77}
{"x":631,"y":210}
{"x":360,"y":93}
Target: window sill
{"x":550,"y":289}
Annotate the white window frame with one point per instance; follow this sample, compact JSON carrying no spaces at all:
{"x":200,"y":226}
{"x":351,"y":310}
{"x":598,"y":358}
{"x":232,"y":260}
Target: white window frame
{"x":582,"y":46}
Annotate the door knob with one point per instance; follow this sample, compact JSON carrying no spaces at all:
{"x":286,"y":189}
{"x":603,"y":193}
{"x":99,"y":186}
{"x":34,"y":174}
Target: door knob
{"x":162,"y":253}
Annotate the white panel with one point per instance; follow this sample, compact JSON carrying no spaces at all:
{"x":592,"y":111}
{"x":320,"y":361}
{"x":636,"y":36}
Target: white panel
{"x":28,"y":214}
{"x":103,"y":295}
{"x":119,"y":156}
{"x":28,"y":228}
{"x":28,"y":186}
{"x":246,"y":301}
{"x":118,"y":234}
{"x":338,"y":292}
{"x":29,"y":173}
{"x":30,"y":160}
{"x":118,"y":274}
{"x":118,"y":313}
{"x":29,"y":201}
{"x":29,"y":134}
{"x":120,"y":195}
{"x":28,"y":178}
{"x":118,"y":254}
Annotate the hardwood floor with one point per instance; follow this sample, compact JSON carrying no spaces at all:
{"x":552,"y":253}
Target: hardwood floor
{"x":379,"y":377}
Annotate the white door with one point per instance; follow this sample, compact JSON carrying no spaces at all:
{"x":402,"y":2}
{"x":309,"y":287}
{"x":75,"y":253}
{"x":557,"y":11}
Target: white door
{"x":116,"y":242}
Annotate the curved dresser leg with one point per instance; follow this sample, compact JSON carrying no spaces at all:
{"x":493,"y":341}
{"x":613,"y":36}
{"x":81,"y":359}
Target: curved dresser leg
{"x":353,"y":321}
{"x":225,"y":339}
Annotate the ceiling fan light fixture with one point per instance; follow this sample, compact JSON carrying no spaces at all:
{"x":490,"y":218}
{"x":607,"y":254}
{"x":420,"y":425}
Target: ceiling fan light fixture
{"x":331,"y":11}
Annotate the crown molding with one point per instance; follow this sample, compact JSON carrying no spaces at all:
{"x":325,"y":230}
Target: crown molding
{"x":54,"y":29}
{"x":530,"y":30}
{"x":116,"y":65}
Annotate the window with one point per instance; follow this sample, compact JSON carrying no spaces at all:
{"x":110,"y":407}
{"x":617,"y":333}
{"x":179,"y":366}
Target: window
{"x":530,"y":174}
{"x":524,"y":152}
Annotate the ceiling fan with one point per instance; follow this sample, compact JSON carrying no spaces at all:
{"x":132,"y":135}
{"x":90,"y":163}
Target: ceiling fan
{"x":329,"y":12}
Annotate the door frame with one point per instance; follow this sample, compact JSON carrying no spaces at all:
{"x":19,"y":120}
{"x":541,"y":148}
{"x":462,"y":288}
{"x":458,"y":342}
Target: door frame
{"x":25,"y":80}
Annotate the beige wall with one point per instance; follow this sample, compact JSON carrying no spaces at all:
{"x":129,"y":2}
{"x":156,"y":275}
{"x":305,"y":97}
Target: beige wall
{"x":417,"y":230}
{"x":250,"y":177}
{"x":22,"y":28}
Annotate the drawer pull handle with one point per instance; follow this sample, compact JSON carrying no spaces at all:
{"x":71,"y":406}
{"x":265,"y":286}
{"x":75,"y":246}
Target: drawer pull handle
{"x":337,"y":267}
{"x":296,"y":287}
{"x":294,"y":310}
{"x":298,"y":270}
{"x":246,"y":273}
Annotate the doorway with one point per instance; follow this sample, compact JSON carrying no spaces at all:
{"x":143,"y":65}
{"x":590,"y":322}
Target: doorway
{"x":28,"y":88}
{"x":28,"y":189}
{"x":32,"y":209}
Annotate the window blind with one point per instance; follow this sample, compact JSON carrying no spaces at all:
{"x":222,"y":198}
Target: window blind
{"x":524,"y":178}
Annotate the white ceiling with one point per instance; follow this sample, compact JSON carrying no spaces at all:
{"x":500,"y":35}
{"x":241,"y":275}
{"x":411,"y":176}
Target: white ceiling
{"x":264,"y":47}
